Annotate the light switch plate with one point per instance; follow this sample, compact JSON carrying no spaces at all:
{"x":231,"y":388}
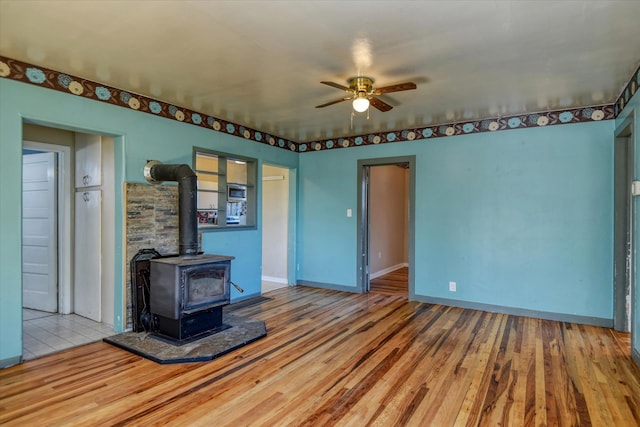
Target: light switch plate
{"x":635,"y":188}
{"x":349,"y":213}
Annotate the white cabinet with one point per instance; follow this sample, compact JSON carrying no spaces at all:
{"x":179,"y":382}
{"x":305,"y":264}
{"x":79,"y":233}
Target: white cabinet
{"x":88,"y":160}
{"x":88,"y":255}
{"x":88,"y":227}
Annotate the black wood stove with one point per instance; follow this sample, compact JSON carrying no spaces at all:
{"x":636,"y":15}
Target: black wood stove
{"x":187,"y":292}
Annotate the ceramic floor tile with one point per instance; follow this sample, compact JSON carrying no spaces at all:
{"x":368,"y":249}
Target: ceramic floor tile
{"x":45,"y":333}
{"x":40,"y":348}
{"x":28,"y":314}
{"x":27,"y":355}
{"x":66,"y":334}
{"x":84,"y":331}
{"x":38,"y":323}
{"x":80,"y":340}
{"x":28,"y":340}
{"x":58,"y":330}
{"x":60,"y":344}
{"x":43,"y":351}
{"x":95,"y":336}
{"x":79,"y":320}
{"x":40,"y":334}
{"x":106,"y":330}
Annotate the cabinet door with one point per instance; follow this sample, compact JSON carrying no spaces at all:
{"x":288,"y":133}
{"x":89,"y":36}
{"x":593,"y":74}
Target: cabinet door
{"x":88,"y":160}
{"x":88,"y":254}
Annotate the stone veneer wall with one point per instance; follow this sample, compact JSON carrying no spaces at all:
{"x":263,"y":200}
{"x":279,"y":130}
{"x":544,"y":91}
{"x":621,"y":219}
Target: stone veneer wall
{"x":151,"y":222}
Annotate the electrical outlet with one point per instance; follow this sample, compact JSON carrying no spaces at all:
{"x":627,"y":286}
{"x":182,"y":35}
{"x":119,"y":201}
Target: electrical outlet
{"x":452,"y":286}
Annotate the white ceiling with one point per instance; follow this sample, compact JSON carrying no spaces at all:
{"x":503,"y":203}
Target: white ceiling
{"x":259,"y":63}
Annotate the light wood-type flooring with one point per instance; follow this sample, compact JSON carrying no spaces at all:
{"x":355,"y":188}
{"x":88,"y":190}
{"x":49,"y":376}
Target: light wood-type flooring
{"x":394,"y":283}
{"x":339,"y":359}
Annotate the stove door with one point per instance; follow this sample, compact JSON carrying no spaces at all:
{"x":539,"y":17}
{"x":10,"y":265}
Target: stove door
{"x":205,"y":286}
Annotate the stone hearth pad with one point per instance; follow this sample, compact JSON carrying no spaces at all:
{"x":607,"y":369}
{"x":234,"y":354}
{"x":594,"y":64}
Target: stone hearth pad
{"x":241,"y":332}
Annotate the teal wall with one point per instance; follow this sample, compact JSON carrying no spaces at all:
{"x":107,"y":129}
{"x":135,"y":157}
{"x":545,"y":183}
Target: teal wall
{"x":138,"y":137}
{"x":520,"y":218}
{"x":632,"y":111}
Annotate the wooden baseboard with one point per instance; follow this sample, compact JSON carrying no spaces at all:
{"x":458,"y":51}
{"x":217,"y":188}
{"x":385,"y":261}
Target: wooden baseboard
{"x":5,"y":363}
{"x":332,"y":286}
{"x":561,"y":317}
{"x":244,"y":297}
{"x":388,"y":270}
{"x":275,"y":279}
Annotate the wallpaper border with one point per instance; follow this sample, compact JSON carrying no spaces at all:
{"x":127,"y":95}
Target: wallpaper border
{"x":520,"y":121}
{"x":67,"y":83}
{"x":51,"y":79}
{"x":625,"y":96}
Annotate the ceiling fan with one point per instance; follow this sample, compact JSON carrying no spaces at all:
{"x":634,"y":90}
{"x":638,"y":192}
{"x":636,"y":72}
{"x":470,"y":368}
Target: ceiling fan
{"x":363,"y":93}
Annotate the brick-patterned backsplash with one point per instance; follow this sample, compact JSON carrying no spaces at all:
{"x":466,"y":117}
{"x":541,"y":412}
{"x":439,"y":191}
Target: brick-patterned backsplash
{"x":151,"y":222}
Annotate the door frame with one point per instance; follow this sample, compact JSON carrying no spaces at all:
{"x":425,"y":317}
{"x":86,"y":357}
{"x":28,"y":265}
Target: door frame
{"x":119,"y":256}
{"x":291,"y":220}
{"x":363,"y":232}
{"x":624,"y":228}
{"x":64,"y":222}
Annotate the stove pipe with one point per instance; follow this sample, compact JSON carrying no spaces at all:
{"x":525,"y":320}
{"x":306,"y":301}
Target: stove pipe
{"x":156,"y":172}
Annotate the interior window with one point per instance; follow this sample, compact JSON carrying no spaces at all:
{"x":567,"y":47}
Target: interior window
{"x":226,"y":190}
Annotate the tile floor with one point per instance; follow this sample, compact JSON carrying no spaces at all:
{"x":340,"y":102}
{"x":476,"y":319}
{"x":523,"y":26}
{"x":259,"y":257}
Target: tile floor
{"x":45,"y":333}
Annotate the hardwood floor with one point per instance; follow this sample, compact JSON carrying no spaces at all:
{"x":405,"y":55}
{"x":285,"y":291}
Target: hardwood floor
{"x":394,"y":283}
{"x":333,"y":358}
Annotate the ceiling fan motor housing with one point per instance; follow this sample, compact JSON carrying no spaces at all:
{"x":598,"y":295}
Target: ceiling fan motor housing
{"x":362,"y":86}
{"x":361,"y":91}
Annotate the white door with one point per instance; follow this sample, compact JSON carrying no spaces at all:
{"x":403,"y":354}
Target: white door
{"x":88,"y":254}
{"x":39,"y":233}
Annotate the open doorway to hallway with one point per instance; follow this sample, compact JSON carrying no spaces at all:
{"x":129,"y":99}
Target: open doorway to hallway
{"x":275,"y":227}
{"x":386,"y":222}
{"x":68,"y":235}
{"x":389,"y":229}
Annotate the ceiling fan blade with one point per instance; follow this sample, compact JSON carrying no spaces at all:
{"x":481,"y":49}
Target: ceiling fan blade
{"x":395,"y":88}
{"x":337,"y":86}
{"x":333,"y":102}
{"x":380,"y":105}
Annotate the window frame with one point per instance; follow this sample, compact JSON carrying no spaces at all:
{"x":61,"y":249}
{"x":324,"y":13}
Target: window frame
{"x":251,"y":185}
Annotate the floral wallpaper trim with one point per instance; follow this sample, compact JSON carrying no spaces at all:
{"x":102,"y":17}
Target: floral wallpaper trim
{"x":39,"y":76}
{"x":50,"y":79}
{"x":549,"y":118}
{"x":627,"y":93}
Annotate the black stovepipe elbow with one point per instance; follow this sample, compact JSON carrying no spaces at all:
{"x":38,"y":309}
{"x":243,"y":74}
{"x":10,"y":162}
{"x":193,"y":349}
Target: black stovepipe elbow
{"x":187,"y":202}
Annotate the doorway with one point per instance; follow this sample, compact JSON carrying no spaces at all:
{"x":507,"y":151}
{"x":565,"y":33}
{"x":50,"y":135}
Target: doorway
{"x":386,"y":218}
{"x":275,"y":227}
{"x":624,"y":245}
{"x":50,"y":301}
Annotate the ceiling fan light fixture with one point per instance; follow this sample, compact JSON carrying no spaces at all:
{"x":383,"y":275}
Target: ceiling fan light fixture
{"x":360,"y":104}
{"x":362,"y":93}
